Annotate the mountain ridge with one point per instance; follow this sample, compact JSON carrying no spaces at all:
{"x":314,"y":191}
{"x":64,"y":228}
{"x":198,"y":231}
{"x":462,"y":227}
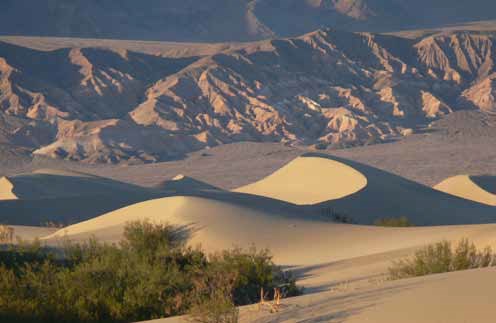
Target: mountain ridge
{"x":325,"y":88}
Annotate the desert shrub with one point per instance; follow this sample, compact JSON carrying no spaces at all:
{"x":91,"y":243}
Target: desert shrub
{"x":150,"y":274}
{"x":336,"y":216}
{"x":441,"y":257}
{"x":218,"y":307}
{"x":213,"y":299}
{"x":6,"y":234}
{"x":254,"y":270}
{"x":394,"y":222}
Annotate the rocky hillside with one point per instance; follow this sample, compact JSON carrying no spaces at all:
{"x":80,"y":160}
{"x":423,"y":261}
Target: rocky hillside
{"x":228,"y":20}
{"x":326,"y":88}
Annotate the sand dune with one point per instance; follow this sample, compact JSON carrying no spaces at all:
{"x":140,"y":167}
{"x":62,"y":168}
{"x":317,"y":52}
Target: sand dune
{"x":185,"y":183}
{"x":476,"y":188}
{"x":309,"y":180}
{"x":314,"y":186}
{"x":56,"y":196}
{"x":218,"y":225}
{"x":364,"y":194}
{"x":341,"y":258}
{"x":64,"y":197}
{"x":48,"y":183}
{"x":341,"y":265}
{"x":6,"y":189}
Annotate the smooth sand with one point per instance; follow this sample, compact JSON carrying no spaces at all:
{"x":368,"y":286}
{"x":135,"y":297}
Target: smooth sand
{"x":459,"y":297}
{"x":469,"y":188}
{"x":7,"y":189}
{"x":47,"y":183}
{"x":337,"y":186}
{"x":315,"y":248}
{"x":309,"y":180}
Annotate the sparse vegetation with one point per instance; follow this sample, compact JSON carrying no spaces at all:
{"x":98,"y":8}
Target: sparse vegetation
{"x":336,"y":216}
{"x":54,"y":225}
{"x":441,"y":257}
{"x":6,"y":234}
{"x":394,"y":222}
{"x":150,"y":274}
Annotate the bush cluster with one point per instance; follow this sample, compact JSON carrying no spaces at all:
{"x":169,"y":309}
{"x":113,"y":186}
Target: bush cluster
{"x":441,"y":257}
{"x":150,"y":274}
{"x":394,"y":222}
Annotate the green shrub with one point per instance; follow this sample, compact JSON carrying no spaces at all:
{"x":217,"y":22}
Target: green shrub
{"x":254,"y":270}
{"x":394,"y":222}
{"x":440,"y":258}
{"x":150,"y":274}
{"x":213,"y":299}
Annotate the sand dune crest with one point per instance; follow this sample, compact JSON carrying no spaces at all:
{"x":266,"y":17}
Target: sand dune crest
{"x":468,"y":187}
{"x":309,"y":180}
{"x":7,"y":189}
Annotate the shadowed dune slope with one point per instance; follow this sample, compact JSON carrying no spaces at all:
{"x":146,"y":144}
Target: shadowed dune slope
{"x":185,"y":183}
{"x":64,"y":197}
{"x":476,"y":188}
{"x":365,"y":194}
{"x":316,"y":187}
{"x":488,"y":183}
{"x":68,"y":198}
{"x":66,"y":210}
{"x":47,"y":183}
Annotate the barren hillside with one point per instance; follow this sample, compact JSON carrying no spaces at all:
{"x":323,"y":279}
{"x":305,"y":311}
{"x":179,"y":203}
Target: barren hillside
{"x":326,"y":88}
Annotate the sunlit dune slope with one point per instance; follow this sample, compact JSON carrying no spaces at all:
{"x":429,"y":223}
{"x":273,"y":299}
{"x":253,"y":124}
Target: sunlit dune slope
{"x":294,"y":240}
{"x":309,"y":180}
{"x":68,"y":198}
{"x":476,"y":188}
{"x":457,"y":297}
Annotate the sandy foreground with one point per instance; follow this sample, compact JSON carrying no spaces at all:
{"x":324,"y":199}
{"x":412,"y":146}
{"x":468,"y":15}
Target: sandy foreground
{"x":342,"y":266}
{"x":454,"y":297}
{"x":458,"y":297}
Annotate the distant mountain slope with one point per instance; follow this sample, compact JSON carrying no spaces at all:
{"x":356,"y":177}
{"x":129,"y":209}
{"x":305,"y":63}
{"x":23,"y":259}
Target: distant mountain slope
{"x":324,"y":88}
{"x":228,"y":20}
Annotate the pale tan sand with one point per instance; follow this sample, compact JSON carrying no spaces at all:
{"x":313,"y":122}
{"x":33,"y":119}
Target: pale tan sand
{"x":312,"y":247}
{"x":447,"y":298}
{"x":459,"y":297}
{"x":71,"y":198}
{"x":7,"y":189}
{"x":309,"y":180}
{"x":364,"y":194}
{"x":466,"y":187}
